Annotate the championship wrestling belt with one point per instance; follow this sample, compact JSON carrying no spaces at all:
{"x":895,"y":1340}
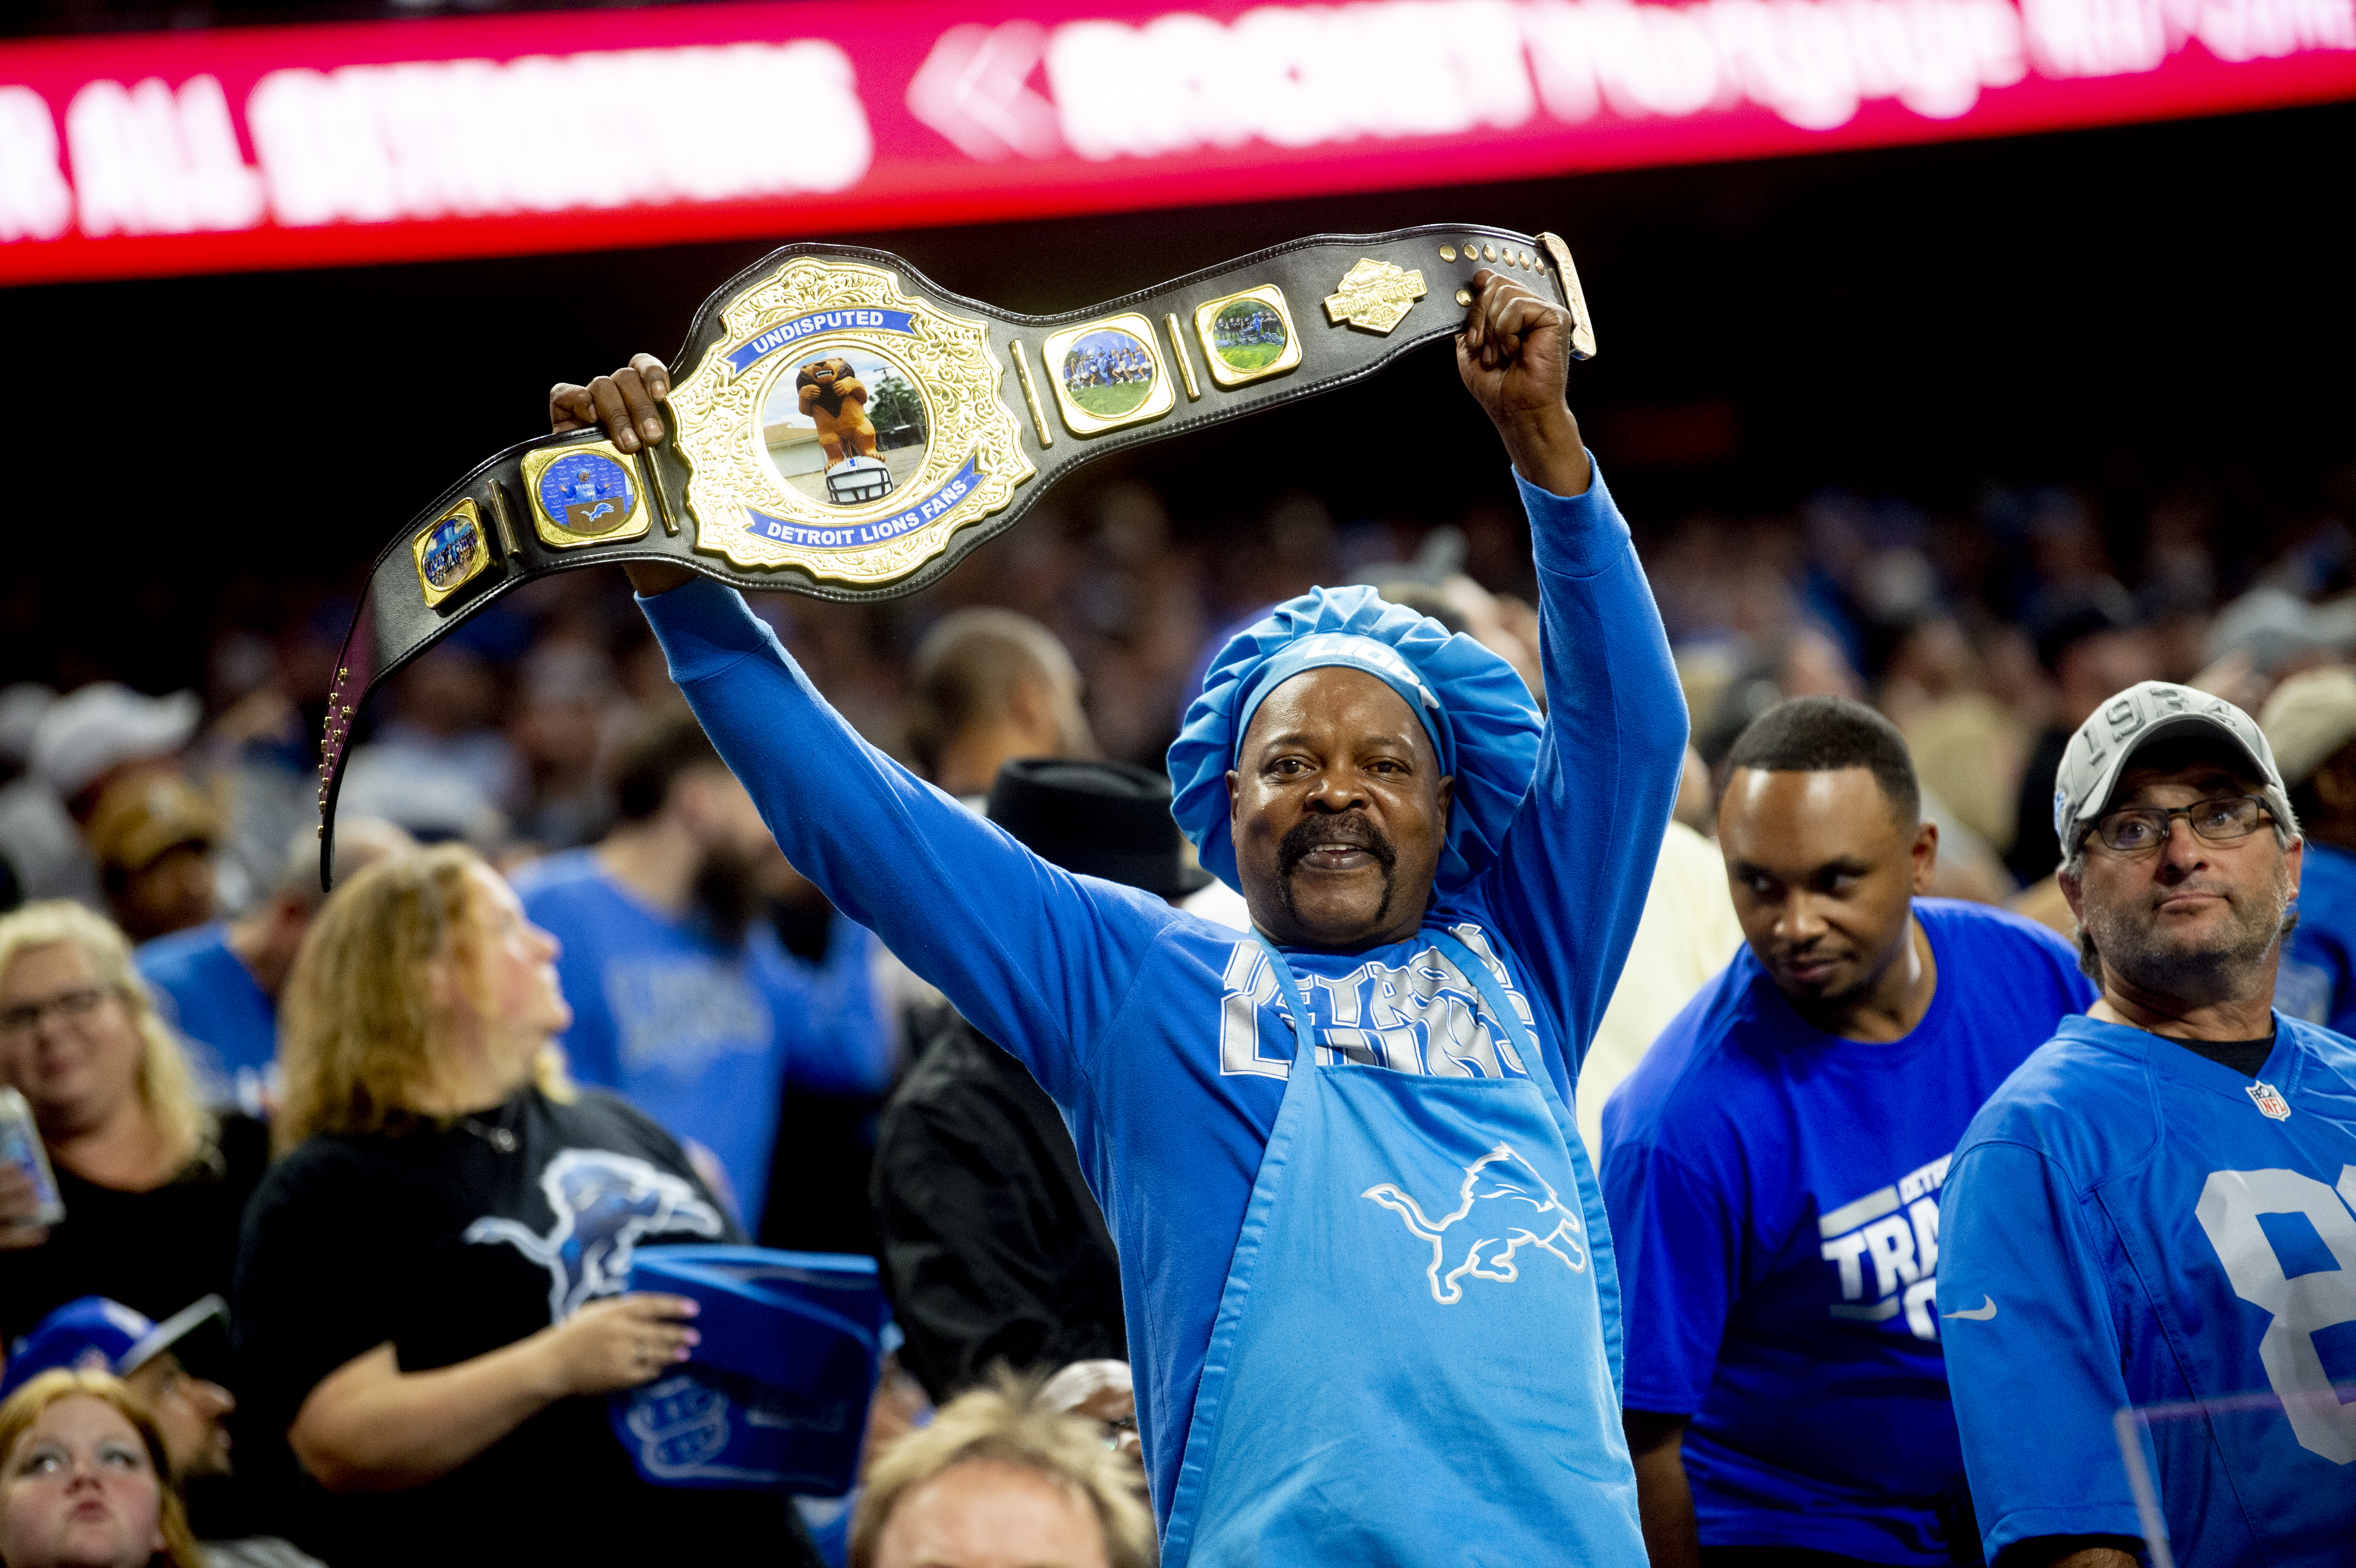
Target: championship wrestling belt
{"x":840,"y":425}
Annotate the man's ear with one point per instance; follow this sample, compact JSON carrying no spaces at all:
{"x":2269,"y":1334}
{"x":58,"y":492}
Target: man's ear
{"x":1235,"y":798}
{"x":1033,"y":709}
{"x":1925,"y":853}
{"x":2073,"y":894}
{"x":1447,"y":796}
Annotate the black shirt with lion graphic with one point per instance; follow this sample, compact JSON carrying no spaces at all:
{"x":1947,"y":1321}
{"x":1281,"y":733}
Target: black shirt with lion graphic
{"x":448,"y":1244}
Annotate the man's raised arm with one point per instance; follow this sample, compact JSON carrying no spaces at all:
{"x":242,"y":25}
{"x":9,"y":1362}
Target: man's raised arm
{"x":1034,"y":957}
{"x":1570,"y":883}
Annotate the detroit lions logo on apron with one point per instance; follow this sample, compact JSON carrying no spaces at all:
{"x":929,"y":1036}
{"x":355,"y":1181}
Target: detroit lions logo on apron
{"x":1510,"y":1196}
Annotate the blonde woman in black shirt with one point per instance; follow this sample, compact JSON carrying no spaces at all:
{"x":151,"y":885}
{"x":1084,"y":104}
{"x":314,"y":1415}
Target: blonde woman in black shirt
{"x":432,"y":1276}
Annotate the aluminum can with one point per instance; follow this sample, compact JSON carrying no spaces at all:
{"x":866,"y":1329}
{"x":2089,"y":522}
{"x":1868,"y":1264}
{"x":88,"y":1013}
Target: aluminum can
{"x":21,"y":1145}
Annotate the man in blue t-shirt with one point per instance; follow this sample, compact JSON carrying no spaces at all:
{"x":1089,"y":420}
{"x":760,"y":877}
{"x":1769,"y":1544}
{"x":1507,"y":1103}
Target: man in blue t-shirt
{"x":1772,"y":1165}
{"x":2149,"y":1289}
{"x":217,"y":985}
{"x":683,"y":1001}
{"x":1368,"y":1285}
{"x":2310,"y":723}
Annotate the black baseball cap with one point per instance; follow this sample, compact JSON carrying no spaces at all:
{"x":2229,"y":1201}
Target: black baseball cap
{"x":1100,"y":819}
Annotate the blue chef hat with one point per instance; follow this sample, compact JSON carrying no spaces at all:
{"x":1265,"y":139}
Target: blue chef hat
{"x":1479,"y":716}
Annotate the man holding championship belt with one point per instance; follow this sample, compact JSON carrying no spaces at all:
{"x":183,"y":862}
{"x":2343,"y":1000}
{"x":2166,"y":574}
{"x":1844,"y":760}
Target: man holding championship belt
{"x":1370,"y":1293}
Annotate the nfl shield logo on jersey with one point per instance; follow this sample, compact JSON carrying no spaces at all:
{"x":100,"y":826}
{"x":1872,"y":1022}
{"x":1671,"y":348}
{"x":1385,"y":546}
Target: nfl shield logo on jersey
{"x":2270,"y":1101}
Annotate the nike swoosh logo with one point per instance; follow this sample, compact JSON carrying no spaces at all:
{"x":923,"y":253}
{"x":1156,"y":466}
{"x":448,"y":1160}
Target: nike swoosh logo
{"x":1980,"y":1314}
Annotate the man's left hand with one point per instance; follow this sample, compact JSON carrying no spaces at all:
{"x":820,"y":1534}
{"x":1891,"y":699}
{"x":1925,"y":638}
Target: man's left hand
{"x":1515,"y":356}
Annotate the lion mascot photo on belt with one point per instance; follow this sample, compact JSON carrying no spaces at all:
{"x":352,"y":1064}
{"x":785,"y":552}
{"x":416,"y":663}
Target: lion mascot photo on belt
{"x":835,"y":400}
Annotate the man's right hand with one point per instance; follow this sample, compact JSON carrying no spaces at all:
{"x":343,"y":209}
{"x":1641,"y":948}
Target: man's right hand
{"x":1102,"y":1391}
{"x":624,"y":404}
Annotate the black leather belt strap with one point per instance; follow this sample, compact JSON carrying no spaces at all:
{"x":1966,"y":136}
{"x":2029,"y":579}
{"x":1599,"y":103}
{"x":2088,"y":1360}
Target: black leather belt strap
{"x":842,"y":426}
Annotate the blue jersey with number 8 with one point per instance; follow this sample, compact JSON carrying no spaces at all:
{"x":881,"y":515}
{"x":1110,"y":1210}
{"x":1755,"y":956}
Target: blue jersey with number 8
{"x":2127,"y":1223}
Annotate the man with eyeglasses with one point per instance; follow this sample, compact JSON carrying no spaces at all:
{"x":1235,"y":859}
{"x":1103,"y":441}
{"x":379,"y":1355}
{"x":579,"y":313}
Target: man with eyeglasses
{"x":2148,"y":1277}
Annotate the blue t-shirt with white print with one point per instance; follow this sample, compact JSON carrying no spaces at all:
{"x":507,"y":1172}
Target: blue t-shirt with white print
{"x":1159,"y":1035}
{"x":699,"y":1036}
{"x":1774,"y":1191}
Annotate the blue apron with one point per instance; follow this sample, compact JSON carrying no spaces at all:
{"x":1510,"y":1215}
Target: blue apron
{"x":1412,"y":1362}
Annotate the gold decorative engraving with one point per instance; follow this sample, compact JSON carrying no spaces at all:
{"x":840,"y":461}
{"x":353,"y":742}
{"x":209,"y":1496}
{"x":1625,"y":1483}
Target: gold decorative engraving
{"x":1464,"y":296}
{"x":1375,"y":295}
{"x":1030,"y":392}
{"x":1116,"y":409}
{"x":1232,"y":365}
{"x":1448,"y":252}
{"x":451,"y":551}
{"x":738,"y":498}
{"x":1582,"y":329}
{"x":1185,"y":364}
{"x":1488,"y":252}
{"x":559,"y":532}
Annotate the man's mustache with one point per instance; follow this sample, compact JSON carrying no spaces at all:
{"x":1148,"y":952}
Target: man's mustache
{"x":1352,"y":827}
{"x":2194,"y":885}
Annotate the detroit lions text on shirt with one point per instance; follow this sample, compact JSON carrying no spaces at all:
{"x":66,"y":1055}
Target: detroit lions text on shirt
{"x":1419,"y":1015}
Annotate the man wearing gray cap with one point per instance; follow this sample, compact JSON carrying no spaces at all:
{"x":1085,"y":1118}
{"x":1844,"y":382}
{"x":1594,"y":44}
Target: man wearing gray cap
{"x":2152,"y":1215}
{"x":2310,"y":722}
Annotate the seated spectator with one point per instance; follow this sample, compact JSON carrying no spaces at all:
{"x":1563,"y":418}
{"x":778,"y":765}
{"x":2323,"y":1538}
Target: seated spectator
{"x":430,"y":1299}
{"x":682,"y":1001}
{"x":152,"y":836}
{"x":995,"y":1253}
{"x":152,"y":1183}
{"x":218,"y":984}
{"x":85,"y":1481}
{"x":1001,"y":1478}
{"x":2310,"y":723}
{"x":80,"y":744}
{"x":2092,"y":645}
{"x":439,"y":766}
{"x":191,"y":1412}
{"x":988,"y":686}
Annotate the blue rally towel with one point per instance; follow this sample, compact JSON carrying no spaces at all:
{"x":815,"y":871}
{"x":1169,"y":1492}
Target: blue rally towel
{"x":1480,"y":717}
{"x":775,"y":1396}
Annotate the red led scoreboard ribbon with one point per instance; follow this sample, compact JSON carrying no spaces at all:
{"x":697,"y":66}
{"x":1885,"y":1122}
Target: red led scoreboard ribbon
{"x":132,"y":155}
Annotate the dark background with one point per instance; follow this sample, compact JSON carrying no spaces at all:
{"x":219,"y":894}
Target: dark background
{"x":2127,"y":311}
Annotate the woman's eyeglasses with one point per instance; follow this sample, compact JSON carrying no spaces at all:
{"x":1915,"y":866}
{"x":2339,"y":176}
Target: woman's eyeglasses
{"x":26,"y":1017}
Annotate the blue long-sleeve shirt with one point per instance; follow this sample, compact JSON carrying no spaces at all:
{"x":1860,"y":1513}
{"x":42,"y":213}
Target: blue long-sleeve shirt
{"x":1160,"y":1036}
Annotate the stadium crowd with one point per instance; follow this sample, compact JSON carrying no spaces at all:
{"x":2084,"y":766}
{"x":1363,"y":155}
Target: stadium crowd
{"x":276,"y":1119}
